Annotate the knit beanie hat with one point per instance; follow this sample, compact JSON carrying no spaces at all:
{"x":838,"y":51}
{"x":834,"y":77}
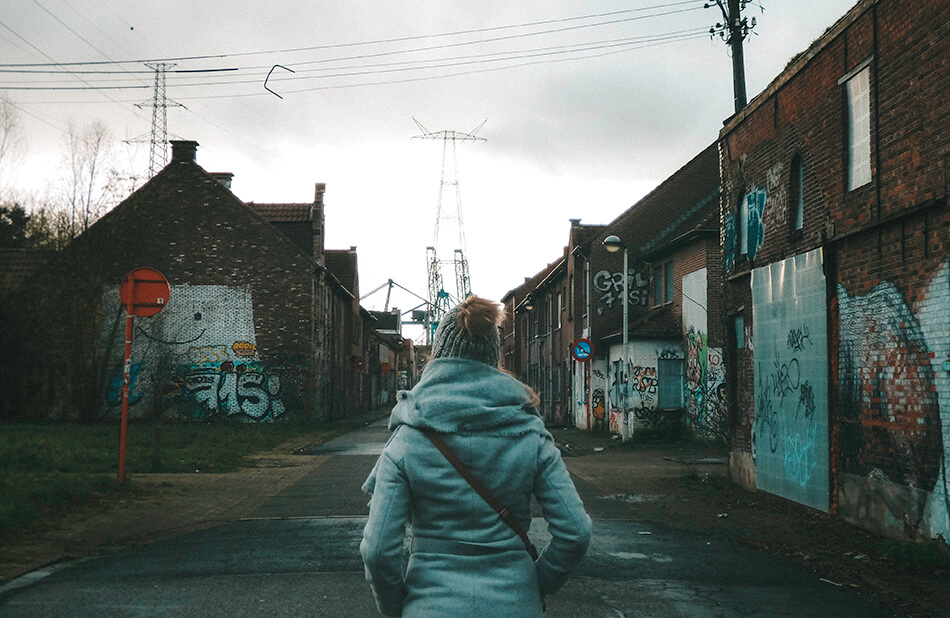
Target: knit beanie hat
{"x":469,"y":330}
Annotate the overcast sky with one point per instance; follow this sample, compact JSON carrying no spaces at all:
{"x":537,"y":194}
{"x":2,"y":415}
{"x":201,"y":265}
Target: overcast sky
{"x":589,"y":105}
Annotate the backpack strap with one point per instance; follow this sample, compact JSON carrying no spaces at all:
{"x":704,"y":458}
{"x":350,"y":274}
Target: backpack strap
{"x":482,"y":491}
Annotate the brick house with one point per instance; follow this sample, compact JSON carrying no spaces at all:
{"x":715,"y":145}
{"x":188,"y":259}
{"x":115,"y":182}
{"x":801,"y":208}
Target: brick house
{"x":251,"y":328}
{"x":536,"y":339}
{"x":834,"y":231}
{"x":672,"y":241}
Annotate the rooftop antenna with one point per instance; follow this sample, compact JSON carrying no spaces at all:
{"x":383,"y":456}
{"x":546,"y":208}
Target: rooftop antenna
{"x":439,"y":299}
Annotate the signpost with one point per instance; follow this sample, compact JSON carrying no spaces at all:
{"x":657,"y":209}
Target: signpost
{"x":144,"y":292}
{"x":582,"y":350}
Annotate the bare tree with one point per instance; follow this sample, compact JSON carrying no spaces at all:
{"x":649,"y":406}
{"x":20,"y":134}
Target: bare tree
{"x":88,"y":151}
{"x":12,"y":144}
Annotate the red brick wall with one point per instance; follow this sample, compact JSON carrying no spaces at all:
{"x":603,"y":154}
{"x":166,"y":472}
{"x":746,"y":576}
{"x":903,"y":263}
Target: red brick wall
{"x":885,"y":248}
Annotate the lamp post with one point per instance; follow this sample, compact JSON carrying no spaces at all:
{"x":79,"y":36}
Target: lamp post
{"x":529,"y":307}
{"x":613,"y":244}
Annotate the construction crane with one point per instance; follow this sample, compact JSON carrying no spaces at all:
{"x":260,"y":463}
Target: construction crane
{"x":439,"y":299}
{"x":417,"y":315}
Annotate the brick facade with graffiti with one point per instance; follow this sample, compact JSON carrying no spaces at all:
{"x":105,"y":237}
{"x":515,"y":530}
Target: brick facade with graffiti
{"x":671,"y":235}
{"x":834,"y":220}
{"x":257,"y":326}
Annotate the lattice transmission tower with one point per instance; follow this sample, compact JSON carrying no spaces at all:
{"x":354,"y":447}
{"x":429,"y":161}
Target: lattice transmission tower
{"x":158,"y":149}
{"x":439,"y":298}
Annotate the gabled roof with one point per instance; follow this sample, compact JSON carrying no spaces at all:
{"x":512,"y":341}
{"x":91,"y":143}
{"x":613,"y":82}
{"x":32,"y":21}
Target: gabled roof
{"x":342,"y":263}
{"x":182,"y":193}
{"x":520,"y":292}
{"x":18,"y":265}
{"x":681,"y":203}
{"x":582,"y":234}
{"x":282,"y":213}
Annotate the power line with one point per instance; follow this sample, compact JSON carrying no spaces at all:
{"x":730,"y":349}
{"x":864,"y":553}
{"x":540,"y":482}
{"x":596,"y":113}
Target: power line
{"x":404,"y":39}
{"x":394,"y":67}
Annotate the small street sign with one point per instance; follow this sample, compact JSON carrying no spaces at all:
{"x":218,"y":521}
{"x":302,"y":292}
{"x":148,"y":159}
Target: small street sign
{"x":147,"y":289}
{"x":582,"y":349}
{"x":143,"y":293}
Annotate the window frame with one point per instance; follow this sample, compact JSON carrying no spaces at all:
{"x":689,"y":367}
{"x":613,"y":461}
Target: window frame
{"x":858,"y":169}
{"x":796,"y":190}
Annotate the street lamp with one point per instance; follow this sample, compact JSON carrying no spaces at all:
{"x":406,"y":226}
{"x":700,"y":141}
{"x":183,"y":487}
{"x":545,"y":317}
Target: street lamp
{"x":528,"y":306}
{"x":613,"y":244}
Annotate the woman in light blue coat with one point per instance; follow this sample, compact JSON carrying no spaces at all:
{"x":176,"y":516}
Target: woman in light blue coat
{"x":464,"y":559}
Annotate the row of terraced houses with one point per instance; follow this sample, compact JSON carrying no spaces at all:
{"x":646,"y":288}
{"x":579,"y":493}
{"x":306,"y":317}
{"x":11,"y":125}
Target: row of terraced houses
{"x":787,"y":290}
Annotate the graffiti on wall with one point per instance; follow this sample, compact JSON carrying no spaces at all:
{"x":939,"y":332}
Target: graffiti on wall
{"x":755,"y":229}
{"x":789,"y":436}
{"x":597,"y":404}
{"x":749,"y":220}
{"x":704,"y":387}
{"x":890,"y":399}
{"x":695,"y":383}
{"x":729,"y":238}
{"x":610,"y":288}
{"x":228,"y":380}
{"x":200,"y":358}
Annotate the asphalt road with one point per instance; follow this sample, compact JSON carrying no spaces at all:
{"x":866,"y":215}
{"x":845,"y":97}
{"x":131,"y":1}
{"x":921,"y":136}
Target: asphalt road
{"x":298,"y":556}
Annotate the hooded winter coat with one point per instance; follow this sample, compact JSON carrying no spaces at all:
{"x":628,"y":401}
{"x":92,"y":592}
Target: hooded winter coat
{"x":464,"y":560}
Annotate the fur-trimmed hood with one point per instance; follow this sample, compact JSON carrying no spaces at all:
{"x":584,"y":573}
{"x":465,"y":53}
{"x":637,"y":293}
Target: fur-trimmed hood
{"x":457,"y":395}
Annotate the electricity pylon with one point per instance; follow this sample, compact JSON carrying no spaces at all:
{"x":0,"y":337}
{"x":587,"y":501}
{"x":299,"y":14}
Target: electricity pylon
{"x":158,"y":151}
{"x":439,"y":299}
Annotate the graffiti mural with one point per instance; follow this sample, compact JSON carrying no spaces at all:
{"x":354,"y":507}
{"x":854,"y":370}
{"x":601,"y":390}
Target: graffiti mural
{"x":889,"y":396}
{"x":790,"y":430}
{"x":696,"y":376}
{"x":199,"y":357}
{"x":597,"y":404}
{"x":729,"y":239}
{"x":755,"y":208}
{"x":609,"y":286}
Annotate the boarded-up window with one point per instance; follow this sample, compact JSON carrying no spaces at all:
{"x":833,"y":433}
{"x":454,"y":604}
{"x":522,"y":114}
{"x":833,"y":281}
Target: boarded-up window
{"x":859,"y":129}
{"x":669,"y":383}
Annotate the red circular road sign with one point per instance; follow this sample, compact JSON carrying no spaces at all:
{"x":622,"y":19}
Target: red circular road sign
{"x":144,"y":292}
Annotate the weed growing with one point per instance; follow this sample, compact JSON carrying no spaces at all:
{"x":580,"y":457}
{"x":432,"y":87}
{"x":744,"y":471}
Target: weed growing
{"x":46,"y":467}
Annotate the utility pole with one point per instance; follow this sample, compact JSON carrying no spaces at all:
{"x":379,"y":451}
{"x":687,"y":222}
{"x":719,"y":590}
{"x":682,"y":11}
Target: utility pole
{"x":733,"y":31}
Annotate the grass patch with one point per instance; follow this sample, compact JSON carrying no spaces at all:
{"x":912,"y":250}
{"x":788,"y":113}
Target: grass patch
{"x":46,"y":467}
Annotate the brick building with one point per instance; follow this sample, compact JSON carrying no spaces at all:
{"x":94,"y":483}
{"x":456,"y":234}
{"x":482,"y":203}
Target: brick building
{"x":261,"y":321}
{"x":674,"y":329}
{"x":834,"y":230}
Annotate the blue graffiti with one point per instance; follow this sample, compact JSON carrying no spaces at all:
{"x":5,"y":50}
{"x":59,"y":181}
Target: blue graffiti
{"x":799,"y":458}
{"x":729,"y":239}
{"x":114,"y":396}
{"x":755,"y":206}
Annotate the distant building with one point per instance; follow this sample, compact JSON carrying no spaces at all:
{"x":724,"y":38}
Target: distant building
{"x":670,"y":374}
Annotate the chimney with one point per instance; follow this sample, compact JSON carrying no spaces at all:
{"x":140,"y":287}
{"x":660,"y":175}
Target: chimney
{"x":575,"y":222}
{"x":183,"y":151}
{"x":224,"y":178}
{"x":317,"y":221}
